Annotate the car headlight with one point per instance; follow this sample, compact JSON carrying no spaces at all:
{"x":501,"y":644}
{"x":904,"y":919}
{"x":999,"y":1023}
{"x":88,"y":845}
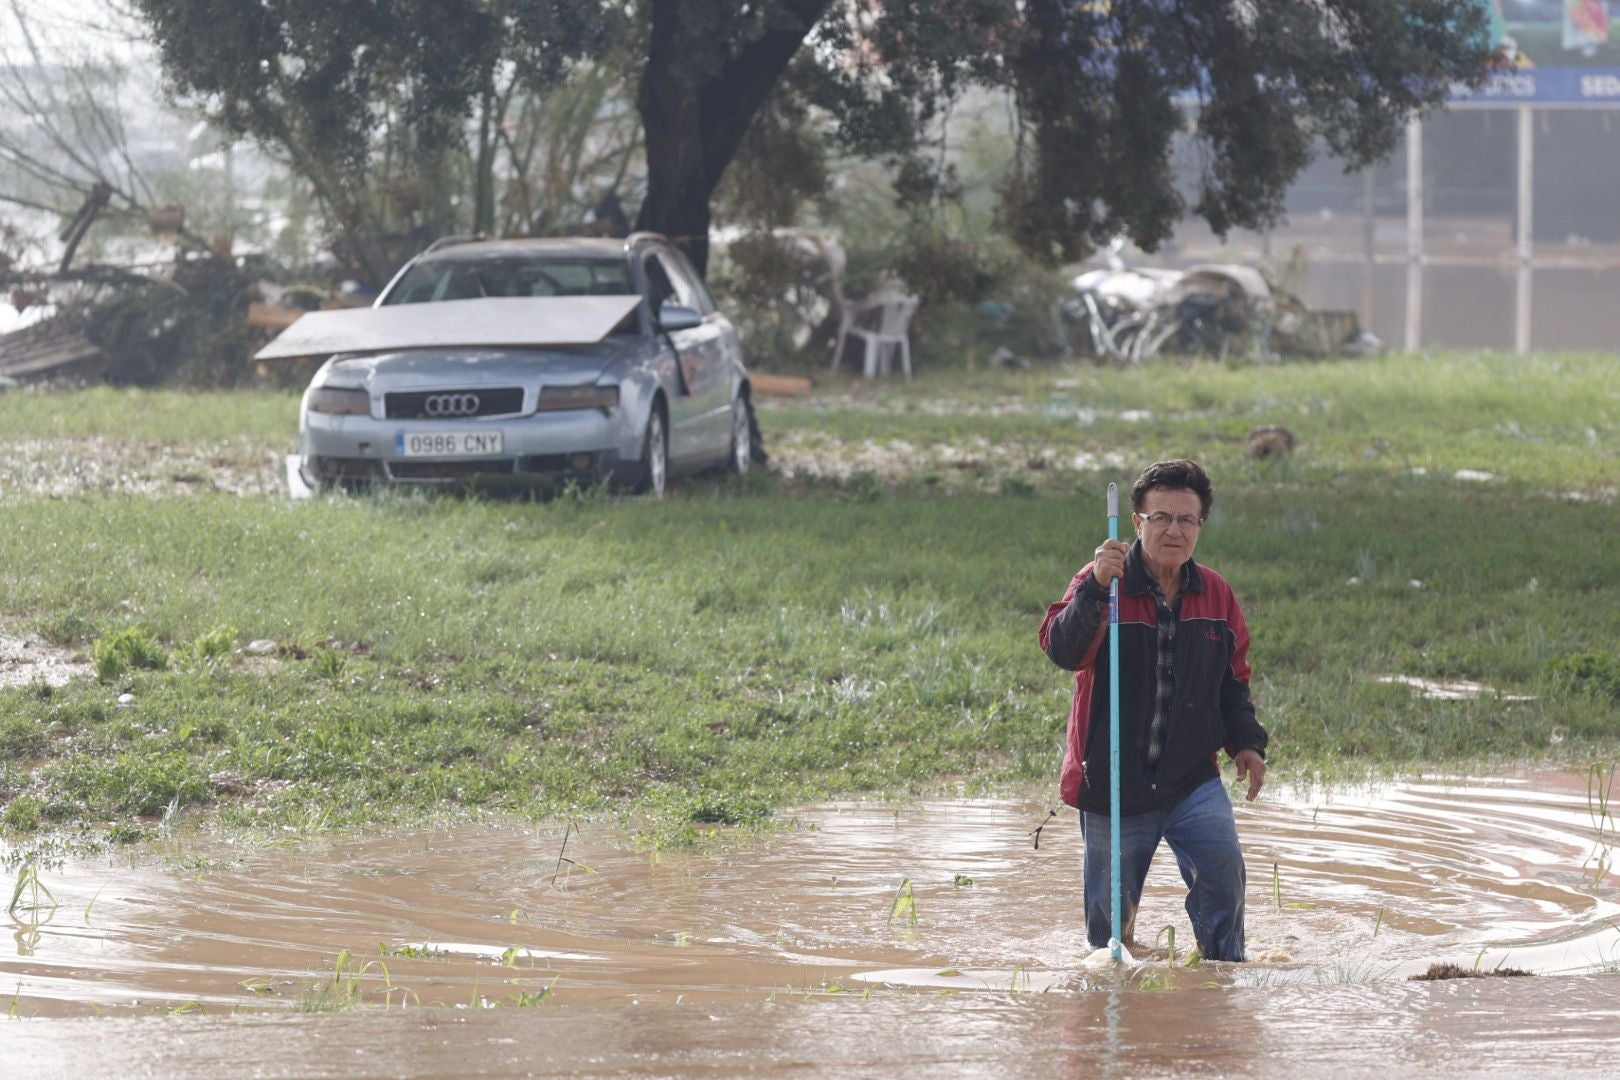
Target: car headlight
{"x":340,"y":401}
{"x":578,"y":397}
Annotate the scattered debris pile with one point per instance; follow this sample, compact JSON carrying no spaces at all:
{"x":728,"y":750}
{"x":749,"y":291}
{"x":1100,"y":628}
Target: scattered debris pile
{"x":169,"y":321}
{"x":188,"y":325}
{"x":1133,"y":314}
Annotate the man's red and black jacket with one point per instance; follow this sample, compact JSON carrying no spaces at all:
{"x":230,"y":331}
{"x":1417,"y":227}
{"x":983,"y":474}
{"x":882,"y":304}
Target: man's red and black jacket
{"x":1210,"y":707}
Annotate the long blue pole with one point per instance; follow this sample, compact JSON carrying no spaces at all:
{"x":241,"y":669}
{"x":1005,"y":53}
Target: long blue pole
{"x":1113,"y":731}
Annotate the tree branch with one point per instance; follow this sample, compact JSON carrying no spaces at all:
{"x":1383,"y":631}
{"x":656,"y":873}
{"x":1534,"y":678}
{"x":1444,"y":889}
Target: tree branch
{"x":731,"y":99}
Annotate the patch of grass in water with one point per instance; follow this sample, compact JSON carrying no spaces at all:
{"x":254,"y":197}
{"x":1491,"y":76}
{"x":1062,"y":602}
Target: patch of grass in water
{"x":351,"y":984}
{"x":528,"y":999}
{"x":1335,"y":974}
{"x":408,"y":952}
{"x":1438,"y":972}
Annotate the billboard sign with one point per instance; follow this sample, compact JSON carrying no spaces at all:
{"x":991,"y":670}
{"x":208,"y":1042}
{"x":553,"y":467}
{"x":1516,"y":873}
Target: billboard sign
{"x":1563,"y":52}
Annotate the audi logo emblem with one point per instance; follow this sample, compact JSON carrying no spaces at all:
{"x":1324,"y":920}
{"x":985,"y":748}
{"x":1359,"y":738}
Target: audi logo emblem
{"x":451,"y":405}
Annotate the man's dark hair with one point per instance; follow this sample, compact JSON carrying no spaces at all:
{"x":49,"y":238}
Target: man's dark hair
{"x":1181,"y":474}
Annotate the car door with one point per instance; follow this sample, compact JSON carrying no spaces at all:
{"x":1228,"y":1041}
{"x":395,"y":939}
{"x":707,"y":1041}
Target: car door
{"x":681,"y":350}
{"x":704,"y":373}
{"x":722,"y":353}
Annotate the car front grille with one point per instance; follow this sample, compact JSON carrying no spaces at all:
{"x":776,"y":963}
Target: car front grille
{"x":453,"y":404}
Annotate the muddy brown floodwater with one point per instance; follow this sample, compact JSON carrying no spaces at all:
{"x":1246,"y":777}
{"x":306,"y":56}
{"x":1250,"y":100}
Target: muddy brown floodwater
{"x":788,"y":956}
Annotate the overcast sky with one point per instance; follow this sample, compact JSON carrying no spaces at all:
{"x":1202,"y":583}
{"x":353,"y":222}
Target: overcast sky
{"x":67,"y":29}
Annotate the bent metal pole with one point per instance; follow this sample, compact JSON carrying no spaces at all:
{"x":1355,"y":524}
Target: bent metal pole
{"x":1113,"y":732}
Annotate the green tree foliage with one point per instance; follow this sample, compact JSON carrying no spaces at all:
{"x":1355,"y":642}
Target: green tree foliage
{"x":1099,"y":88}
{"x":1102,"y":89}
{"x":316,"y":81}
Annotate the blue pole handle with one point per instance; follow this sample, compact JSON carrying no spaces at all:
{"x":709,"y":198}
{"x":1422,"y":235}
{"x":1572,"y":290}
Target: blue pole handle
{"x":1113,"y":733}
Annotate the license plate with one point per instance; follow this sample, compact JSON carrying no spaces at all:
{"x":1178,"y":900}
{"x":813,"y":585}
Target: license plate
{"x":448,"y":444}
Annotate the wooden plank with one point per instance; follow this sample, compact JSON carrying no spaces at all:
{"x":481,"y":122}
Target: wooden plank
{"x":37,"y":364}
{"x":272,"y":317}
{"x":780,"y":385}
{"x":42,"y":348}
{"x":486,"y":322}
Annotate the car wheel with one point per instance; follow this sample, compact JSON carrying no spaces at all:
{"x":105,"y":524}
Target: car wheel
{"x":654,"y":458}
{"x":742,"y":436}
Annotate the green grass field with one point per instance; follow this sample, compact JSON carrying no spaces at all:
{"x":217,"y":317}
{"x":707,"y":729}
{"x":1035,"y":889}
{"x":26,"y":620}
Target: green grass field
{"x":738,"y":648}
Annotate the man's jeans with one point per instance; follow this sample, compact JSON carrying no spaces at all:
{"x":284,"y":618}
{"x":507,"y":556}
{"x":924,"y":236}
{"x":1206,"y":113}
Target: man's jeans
{"x":1203,"y":837}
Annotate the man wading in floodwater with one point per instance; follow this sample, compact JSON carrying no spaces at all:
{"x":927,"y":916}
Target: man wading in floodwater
{"x":1184,"y":695}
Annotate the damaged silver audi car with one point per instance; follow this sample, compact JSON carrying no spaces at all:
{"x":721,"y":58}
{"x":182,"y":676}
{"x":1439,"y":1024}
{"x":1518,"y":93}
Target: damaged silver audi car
{"x":526,"y":363}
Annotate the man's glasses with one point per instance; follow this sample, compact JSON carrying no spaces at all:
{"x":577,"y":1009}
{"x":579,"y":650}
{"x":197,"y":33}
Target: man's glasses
{"x":1161,"y":520}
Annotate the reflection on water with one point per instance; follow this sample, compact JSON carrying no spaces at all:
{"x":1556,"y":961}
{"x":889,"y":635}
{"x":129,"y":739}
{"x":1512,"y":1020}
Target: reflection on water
{"x":787,"y":951}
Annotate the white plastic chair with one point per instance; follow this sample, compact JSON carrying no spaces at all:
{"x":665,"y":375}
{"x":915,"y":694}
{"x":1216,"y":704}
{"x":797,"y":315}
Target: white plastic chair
{"x":882,"y":324}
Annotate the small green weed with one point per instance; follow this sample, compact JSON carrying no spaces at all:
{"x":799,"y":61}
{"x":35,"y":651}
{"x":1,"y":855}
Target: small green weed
{"x":1599,"y":785}
{"x":528,"y":999}
{"x":129,"y":649}
{"x":1153,"y":980}
{"x":23,"y":814}
{"x":904,"y":907}
{"x":124,"y":833}
{"x":347,"y":988}
{"x":30,"y":897}
{"x":328,"y":664}
{"x":214,"y":646}
{"x":1276,"y":892}
{"x":1168,"y":935}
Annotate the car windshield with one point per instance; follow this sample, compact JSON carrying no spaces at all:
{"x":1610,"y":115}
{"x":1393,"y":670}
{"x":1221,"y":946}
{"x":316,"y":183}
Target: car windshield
{"x":469,"y":279}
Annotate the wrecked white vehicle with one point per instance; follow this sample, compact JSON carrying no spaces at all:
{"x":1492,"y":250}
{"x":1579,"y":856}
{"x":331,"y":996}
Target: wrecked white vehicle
{"x":526,"y":363}
{"x":1133,"y":314}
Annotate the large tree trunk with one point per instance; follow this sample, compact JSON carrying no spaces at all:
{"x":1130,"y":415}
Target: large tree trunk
{"x":484,"y":168}
{"x":678,"y":188}
{"x":693,"y":121}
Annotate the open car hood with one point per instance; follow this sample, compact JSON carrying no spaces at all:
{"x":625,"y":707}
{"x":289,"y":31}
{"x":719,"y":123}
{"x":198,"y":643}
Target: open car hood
{"x":481,"y":323}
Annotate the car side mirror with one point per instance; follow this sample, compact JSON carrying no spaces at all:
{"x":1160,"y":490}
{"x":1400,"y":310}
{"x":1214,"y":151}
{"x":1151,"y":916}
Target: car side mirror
{"x":673,"y":317}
